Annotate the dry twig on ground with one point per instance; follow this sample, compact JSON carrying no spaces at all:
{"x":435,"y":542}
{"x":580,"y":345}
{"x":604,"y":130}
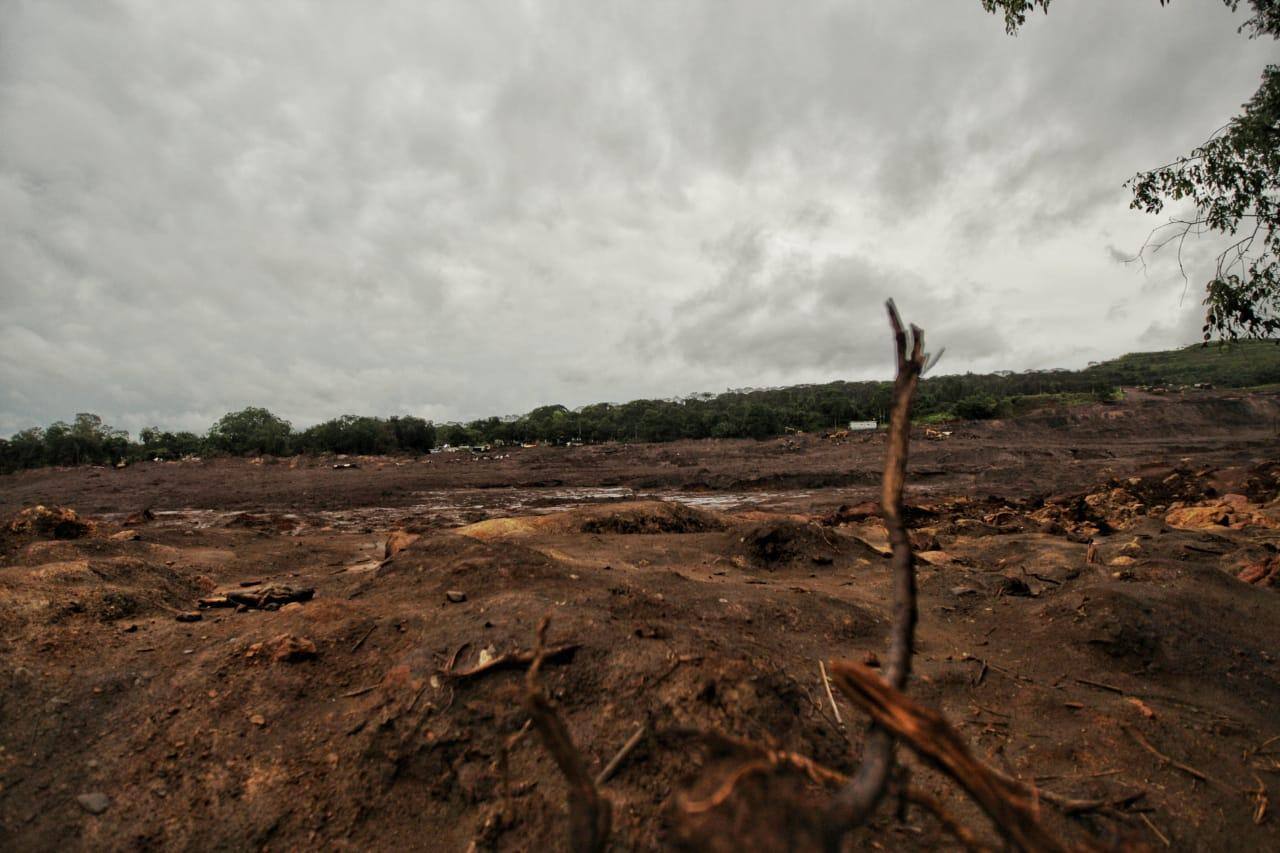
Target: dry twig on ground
{"x":514,"y":660}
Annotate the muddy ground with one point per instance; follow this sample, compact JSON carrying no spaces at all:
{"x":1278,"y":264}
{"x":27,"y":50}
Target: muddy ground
{"x":1096,"y":586}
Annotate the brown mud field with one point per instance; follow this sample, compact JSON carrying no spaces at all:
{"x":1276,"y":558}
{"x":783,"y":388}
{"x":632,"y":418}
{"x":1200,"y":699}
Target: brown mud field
{"x":281,"y":654}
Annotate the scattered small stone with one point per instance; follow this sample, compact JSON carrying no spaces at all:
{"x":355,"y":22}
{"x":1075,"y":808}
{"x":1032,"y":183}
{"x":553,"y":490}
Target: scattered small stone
{"x":193,"y":616}
{"x":963,"y":590}
{"x":871,"y":659}
{"x":126,"y":536}
{"x":258,"y":720}
{"x":94,"y":802}
{"x":456,"y":596}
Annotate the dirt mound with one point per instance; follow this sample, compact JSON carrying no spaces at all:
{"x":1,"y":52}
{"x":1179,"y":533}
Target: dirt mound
{"x":649,"y":517}
{"x":632,"y":517}
{"x":786,"y":543}
{"x":56,"y":522}
{"x":103,"y":589}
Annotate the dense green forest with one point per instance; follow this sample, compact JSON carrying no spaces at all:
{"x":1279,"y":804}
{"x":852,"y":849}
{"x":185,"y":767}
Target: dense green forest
{"x":743,"y":413}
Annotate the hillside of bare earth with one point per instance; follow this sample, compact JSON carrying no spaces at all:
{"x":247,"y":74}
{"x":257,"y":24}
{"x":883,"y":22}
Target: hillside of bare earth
{"x":280,"y":654}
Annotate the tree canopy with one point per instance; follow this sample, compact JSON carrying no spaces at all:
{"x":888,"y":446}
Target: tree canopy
{"x":743,"y":413}
{"x":1232,"y":182}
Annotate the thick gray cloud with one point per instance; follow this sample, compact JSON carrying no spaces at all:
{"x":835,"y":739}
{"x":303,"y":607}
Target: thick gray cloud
{"x":456,"y":209}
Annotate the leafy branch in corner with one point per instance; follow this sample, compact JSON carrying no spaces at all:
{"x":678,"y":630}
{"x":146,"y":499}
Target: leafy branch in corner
{"x":1232,"y":185}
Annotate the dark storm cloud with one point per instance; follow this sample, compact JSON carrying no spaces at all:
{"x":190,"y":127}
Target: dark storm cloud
{"x":457,"y":209}
{"x":792,"y":316}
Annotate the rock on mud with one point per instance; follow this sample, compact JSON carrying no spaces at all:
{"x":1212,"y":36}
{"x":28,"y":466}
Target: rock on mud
{"x":94,"y":802}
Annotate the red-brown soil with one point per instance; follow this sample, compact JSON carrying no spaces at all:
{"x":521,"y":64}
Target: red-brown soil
{"x":703,"y":580}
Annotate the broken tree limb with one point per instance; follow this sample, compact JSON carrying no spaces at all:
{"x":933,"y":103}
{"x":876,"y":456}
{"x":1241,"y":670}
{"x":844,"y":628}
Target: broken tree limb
{"x":934,"y":740}
{"x":515,"y":660}
{"x":949,"y":824}
{"x":1068,"y":805}
{"x":855,"y":801}
{"x":590,"y":815}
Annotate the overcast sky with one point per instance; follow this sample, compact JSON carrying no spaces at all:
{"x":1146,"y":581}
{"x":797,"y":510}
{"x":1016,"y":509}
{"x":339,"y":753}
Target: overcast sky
{"x":471,"y":208}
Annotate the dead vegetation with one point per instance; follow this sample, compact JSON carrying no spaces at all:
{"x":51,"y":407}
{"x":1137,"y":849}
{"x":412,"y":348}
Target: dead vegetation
{"x":894,"y":717}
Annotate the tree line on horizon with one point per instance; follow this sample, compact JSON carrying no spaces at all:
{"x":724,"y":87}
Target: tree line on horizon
{"x":754,"y":413}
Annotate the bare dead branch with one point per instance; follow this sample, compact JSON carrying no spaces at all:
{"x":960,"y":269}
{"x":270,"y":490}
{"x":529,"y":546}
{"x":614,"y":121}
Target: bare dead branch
{"x":1166,"y":760}
{"x":590,"y":815}
{"x":1068,"y":805}
{"x":859,"y":797}
{"x":513,"y":660}
{"x":935,"y":741}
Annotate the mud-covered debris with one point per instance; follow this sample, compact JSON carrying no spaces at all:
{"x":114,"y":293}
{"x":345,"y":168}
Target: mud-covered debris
{"x":1199,"y":517}
{"x":397,"y":541}
{"x":1263,"y":483}
{"x":845,"y":514}
{"x":140,"y":517}
{"x":1013,"y":586}
{"x":126,"y":536}
{"x":913,"y":514}
{"x":1263,"y":573}
{"x":94,"y":802}
{"x":55,"y":522}
{"x":292,"y":649}
{"x":924,"y":540}
{"x":1132,"y":548}
{"x":1002,"y":518}
{"x":265,"y":522}
{"x":191,"y":616}
{"x":1234,"y":511}
{"x":264,"y":598}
